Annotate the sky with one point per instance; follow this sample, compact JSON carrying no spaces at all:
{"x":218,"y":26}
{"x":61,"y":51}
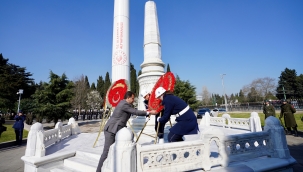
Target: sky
{"x":200,"y":39}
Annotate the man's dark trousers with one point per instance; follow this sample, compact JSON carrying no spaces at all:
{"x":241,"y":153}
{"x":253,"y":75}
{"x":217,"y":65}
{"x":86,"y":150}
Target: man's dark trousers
{"x":109,"y":140}
{"x":19,"y":135}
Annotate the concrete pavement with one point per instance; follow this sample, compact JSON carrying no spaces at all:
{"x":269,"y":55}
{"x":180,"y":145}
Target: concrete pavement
{"x":10,"y":158}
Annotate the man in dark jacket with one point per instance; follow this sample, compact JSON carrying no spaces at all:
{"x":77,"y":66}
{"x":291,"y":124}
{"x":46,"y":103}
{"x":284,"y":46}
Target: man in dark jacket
{"x":117,"y":121}
{"x":287,"y":111}
{"x":19,"y":126}
{"x":268,"y":109}
{"x":185,"y":117}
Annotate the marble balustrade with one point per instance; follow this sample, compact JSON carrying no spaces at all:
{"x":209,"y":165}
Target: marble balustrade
{"x":252,"y":123}
{"x":261,"y":148}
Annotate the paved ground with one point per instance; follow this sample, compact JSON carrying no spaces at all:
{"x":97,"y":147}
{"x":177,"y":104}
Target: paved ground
{"x":10,"y":157}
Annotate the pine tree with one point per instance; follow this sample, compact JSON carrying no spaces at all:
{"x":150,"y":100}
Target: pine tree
{"x":133,"y":79}
{"x":53,"y":99}
{"x":87,"y":82}
{"x":186,"y":92}
{"x":93,"y":87}
{"x":13,"y":78}
{"x":168,"y":68}
{"x":100,"y":87}
{"x":107,"y":82}
{"x":287,"y":84}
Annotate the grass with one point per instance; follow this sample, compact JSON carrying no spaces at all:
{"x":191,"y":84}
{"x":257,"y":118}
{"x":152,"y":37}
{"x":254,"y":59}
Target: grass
{"x":9,"y":134}
{"x":261,"y":115}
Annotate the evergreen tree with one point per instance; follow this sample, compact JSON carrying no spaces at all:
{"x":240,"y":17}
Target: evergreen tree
{"x":13,"y":78}
{"x":241,"y":96}
{"x":133,"y":79}
{"x":52,"y":99}
{"x":186,"y":92}
{"x":87,"y":83}
{"x":299,"y":89}
{"x":101,"y":87}
{"x":93,"y":87}
{"x":287,"y":84}
{"x":168,"y":68}
{"x":107,"y":82}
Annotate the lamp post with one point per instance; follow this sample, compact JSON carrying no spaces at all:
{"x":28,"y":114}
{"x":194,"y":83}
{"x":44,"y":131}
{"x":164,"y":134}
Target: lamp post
{"x":19,"y":92}
{"x":224,"y":92}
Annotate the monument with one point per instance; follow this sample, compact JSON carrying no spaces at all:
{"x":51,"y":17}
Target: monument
{"x":120,"y":49}
{"x":223,"y":144}
{"x":152,"y":66}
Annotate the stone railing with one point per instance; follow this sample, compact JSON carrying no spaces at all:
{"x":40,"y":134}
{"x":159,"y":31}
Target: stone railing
{"x":252,"y":124}
{"x":38,"y":139}
{"x":254,"y":151}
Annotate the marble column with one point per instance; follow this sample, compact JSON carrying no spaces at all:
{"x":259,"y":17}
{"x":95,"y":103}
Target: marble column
{"x":152,"y":67}
{"x":120,"y":49}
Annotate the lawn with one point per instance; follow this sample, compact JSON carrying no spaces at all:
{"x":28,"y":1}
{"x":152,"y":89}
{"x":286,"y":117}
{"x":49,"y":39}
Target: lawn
{"x":9,"y":134}
{"x":247,"y":115}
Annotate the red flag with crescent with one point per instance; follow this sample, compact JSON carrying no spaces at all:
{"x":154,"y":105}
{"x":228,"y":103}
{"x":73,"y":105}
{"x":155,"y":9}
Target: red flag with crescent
{"x":116,"y":92}
{"x":167,"y":81}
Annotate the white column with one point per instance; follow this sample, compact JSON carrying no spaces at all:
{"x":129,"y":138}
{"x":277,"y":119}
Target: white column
{"x":120,"y":50}
{"x":152,"y":66}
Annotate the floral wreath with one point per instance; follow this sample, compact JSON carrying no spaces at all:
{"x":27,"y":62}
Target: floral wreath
{"x":116,"y":92}
{"x":167,"y":81}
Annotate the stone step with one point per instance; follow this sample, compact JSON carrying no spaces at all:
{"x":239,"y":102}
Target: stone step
{"x":81,"y":164}
{"x":63,"y":169}
{"x":88,"y":155}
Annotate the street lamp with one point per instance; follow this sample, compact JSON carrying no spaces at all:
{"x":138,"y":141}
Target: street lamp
{"x":224,"y":92}
{"x":19,"y":92}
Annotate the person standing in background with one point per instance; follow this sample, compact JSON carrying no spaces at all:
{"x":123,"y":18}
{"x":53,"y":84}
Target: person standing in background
{"x":19,"y":126}
{"x":287,"y":111}
{"x":269,"y":109}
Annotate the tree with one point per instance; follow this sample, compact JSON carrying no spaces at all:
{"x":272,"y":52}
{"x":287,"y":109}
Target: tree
{"x":252,"y":96}
{"x":261,"y":88}
{"x":299,"y":87}
{"x":94,"y":100}
{"x":80,"y":91}
{"x":133,"y":79}
{"x":87,"y":82}
{"x":186,"y":92}
{"x":287,"y":84}
{"x":168,"y":68}
{"x":93,"y":87}
{"x":13,"y":78}
{"x":241,"y":96}
{"x":107,"y":82}
{"x":205,"y":96}
{"x":101,"y":87}
{"x":52,"y":99}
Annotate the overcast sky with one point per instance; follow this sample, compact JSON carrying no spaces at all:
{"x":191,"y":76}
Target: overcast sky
{"x":201,"y":39}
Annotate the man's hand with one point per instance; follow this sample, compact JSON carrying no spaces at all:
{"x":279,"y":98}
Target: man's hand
{"x":147,"y":119}
{"x":153,"y":112}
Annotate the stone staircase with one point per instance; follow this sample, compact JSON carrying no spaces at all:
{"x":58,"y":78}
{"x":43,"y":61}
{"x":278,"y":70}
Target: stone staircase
{"x":82,"y":161}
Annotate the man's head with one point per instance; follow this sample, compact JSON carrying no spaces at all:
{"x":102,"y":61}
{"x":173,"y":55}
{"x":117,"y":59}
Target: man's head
{"x":129,"y":97}
{"x":266,"y":102}
{"x":145,"y":94}
{"x":20,"y":112}
{"x":160,"y":92}
{"x":284,"y":101}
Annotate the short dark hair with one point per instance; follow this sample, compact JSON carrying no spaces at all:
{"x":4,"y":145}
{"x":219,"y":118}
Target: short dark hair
{"x":128,"y":94}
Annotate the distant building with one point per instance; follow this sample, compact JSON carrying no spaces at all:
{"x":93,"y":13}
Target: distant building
{"x":199,"y":97}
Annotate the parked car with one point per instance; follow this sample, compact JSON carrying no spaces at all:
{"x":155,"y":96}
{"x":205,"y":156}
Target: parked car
{"x":214,"y":112}
{"x":201,"y":112}
{"x":222,"y":110}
